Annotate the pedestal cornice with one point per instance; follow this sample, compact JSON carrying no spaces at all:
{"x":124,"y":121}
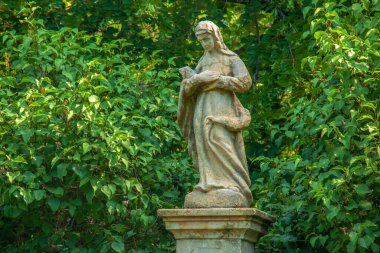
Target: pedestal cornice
{"x":247,"y":224}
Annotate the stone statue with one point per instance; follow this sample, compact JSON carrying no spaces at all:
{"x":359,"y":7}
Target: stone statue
{"x":211,"y":119}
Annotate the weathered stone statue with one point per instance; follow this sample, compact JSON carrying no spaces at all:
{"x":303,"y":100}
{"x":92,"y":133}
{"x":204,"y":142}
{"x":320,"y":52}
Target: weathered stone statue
{"x":212,"y":119}
{"x":216,"y":217}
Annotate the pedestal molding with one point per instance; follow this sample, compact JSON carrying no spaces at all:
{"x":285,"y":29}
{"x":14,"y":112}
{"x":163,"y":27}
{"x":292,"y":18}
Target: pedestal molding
{"x":236,"y":228}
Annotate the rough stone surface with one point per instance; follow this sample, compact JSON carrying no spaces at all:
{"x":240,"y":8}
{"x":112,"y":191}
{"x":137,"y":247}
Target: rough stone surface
{"x":211,"y":119}
{"x":219,"y":198}
{"x":215,"y":246}
{"x":222,"y":230}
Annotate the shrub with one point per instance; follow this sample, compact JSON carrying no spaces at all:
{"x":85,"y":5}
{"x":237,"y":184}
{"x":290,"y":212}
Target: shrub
{"x":323,"y":182}
{"x":89,"y":144}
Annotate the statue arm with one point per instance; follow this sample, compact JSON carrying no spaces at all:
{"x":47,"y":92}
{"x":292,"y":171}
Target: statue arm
{"x":190,"y":87}
{"x":240,"y":80}
{"x":190,"y":84}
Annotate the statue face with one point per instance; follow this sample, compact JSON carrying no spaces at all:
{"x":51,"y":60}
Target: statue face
{"x":207,"y":41}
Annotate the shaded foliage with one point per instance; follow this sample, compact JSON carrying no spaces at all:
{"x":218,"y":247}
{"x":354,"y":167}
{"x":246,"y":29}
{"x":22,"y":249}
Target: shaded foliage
{"x":90,"y":148}
{"x":89,"y":144}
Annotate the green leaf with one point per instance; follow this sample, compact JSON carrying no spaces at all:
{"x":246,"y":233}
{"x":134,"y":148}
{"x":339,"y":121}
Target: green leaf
{"x":375,"y":248}
{"x":312,"y":61}
{"x":363,"y":189}
{"x":125,"y":162}
{"x":366,"y":241}
{"x":145,"y":132}
{"x":365,"y":204}
{"x":28,"y":177}
{"x":26,"y":134}
{"x":332,"y":212}
{"x":351,"y":247}
{"x":93,"y":99}
{"x":139,"y":187}
{"x":76,"y":156}
{"x":72,"y":209}
{"x":289,"y":134}
{"x":38,"y":194}
{"x":54,"y":204}
{"x":171,"y":61}
{"x":305,"y":11}
{"x":357,"y":158}
{"x":19,"y":159}
{"x":28,"y":79}
{"x":80,"y":171}
{"x":101,"y":89}
{"x":90,"y":195}
{"x":319,"y":34}
{"x":145,"y":200}
{"x":83,"y":181}
{"x":119,"y":228}
{"x":353,"y":237}
{"x":118,"y":246}
{"x":160,"y":175}
{"x":352,"y":205}
{"x":323,"y":239}
{"x":370,"y":105}
{"x":27,"y":195}
{"x":12,"y":211}
{"x":357,"y":8}
{"x":12,"y":175}
{"x":98,"y":77}
{"x":86,"y":148}
{"x":57,"y":190}
{"x":54,"y":160}
{"x":305,"y":34}
{"x":70,"y":114}
{"x":108,"y":190}
{"x":61,"y":170}
{"x":313,"y":239}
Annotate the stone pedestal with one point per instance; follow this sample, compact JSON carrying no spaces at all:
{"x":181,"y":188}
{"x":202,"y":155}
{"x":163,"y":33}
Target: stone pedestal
{"x":216,"y":230}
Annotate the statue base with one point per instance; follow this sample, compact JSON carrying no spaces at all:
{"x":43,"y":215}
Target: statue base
{"x":222,"y":230}
{"x":217,"y":198}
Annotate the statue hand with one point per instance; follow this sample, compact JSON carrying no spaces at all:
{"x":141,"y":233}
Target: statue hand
{"x":210,"y":86}
{"x":207,"y":77}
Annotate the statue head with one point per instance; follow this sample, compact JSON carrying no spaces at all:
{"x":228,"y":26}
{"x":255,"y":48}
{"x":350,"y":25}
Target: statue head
{"x":209,"y":28}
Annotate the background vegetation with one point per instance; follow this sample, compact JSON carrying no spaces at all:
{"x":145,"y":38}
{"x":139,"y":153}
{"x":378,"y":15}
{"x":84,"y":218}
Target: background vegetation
{"x":89,"y":146}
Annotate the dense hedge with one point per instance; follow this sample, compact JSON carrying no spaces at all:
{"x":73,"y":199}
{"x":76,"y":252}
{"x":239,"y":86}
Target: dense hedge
{"x":89,"y":146}
{"x":324,"y":179}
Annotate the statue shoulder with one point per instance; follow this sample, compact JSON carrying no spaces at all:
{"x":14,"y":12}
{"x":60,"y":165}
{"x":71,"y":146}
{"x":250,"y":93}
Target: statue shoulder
{"x":234,"y":58}
{"x":200,"y":65}
{"x":201,"y":60}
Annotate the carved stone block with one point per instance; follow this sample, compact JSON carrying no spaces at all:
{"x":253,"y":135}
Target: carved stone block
{"x":222,"y":230}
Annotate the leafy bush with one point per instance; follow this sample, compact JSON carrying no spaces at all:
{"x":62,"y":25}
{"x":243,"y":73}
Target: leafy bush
{"x":90,"y":148}
{"x":324,"y":181}
{"x":89,"y":145}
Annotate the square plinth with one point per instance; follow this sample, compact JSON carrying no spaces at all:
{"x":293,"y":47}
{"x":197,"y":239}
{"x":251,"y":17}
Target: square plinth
{"x":221,"y":230}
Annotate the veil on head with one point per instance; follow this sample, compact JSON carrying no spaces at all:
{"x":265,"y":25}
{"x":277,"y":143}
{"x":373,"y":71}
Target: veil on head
{"x":209,"y":27}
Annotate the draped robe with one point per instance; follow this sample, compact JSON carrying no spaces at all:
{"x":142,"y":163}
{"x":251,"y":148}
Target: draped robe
{"x":211,"y":119}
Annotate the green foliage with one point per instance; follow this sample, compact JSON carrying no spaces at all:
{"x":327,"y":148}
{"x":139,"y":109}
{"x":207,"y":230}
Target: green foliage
{"x":319,"y":171}
{"x":87,"y":138}
{"x":89,"y":147}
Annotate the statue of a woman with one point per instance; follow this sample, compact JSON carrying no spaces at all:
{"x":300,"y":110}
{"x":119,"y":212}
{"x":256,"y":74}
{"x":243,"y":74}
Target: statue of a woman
{"x":211,"y":119}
